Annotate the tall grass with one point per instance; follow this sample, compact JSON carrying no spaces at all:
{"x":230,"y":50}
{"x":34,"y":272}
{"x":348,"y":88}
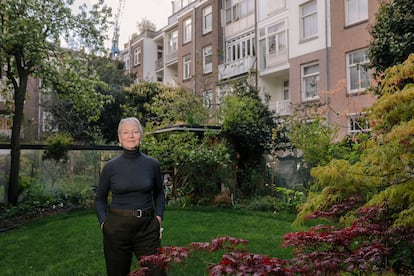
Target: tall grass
{"x":71,"y":243}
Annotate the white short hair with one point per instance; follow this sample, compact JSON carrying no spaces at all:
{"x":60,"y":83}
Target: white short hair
{"x":133,"y":120}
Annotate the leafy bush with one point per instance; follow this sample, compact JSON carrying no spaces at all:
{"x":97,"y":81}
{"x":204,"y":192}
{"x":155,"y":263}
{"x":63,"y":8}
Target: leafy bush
{"x":265,"y":203}
{"x":57,"y":147}
{"x":367,"y":247}
{"x":289,"y":198}
{"x":193,"y":161}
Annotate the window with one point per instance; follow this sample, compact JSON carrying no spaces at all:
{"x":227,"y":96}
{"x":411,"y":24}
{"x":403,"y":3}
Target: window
{"x":286,"y":90}
{"x":309,"y":18}
{"x":273,"y":45}
{"x":236,"y":9}
{"x":208,"y":98}
{"x":222,"y":93}
{"x":126,"y":61}
{"x":228,"y":12}
{"x":358,"y":74}
{"x":276,"y":38}
{"x":137,"y":54}
{"x":47,"y":122}
{"x":310,"y":81}
{"x":186,"y":67}
{"x":173,"y":41}
{"x":187,"y":30}
{"x":240,"y":47}
{"x":355,"y":11}
{"x":207,"y":19}
{"x":179,"y":4}
{"x":207,"y":59}
{"x":357,"y":123}
{"x":6,"y":123}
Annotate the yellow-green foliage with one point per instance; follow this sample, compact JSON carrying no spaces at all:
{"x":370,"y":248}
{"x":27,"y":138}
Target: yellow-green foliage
{"x":393,"y":108}
{"x":384,"y":175}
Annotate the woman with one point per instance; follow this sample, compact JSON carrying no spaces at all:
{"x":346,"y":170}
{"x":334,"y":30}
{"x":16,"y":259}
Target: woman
{"x":132,"y":222}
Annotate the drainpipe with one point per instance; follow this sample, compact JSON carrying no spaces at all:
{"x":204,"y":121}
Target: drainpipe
{"x":193,"y":63}
{"x":327,"y":57}
{"x":256,"y":47}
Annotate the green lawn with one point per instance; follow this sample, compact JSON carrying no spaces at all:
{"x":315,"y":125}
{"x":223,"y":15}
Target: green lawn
{"x":71,"y":243}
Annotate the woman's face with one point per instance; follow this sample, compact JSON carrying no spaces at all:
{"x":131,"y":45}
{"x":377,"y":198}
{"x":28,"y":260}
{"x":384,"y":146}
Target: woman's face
{"x":129,"y":136}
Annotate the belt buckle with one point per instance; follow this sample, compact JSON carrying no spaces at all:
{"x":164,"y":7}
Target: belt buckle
{"x":138,"y":213}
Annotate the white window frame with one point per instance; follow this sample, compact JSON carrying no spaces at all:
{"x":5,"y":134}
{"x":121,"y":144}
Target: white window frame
{"x":355,"y":11}
{"x":126,"y":61}
{"x":207,"y":19}
{"x":236,"y":9}
{"x":208,"y":98}
{"x":276,"y":35}
{"x":187,"y":30}
{"x":222,"y":93}
{"x":228,"y":13}
{"x":357,"y":71}
{"x":208,"y":59}
{"x":310,"y":79}
{"x":354,"y":123}
{"x":186,"y":67}
{"x":309,"y":20}
{"x":137,"y":55}
{"x":173,"y":41}
{"x":240,"y":47}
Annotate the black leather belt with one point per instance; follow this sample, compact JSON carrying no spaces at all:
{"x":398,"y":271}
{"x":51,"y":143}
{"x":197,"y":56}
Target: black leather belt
{"x":132,"y":213}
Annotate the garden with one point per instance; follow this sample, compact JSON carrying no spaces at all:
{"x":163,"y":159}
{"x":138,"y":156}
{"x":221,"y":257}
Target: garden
{"x":351,"y":213}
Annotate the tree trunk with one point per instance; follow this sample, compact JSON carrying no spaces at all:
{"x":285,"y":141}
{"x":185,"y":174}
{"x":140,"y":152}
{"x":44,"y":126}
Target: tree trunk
{"x":19,"y":97}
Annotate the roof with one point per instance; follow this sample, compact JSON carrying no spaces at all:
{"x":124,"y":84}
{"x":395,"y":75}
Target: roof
{"x":185,"y":127}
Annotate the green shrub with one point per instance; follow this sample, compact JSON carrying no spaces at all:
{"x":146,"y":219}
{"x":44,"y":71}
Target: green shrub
{"x":264,"y":203}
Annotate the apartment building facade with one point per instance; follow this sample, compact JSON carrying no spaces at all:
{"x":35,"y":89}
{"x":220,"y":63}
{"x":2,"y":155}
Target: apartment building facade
{"x":297,"y":52}
{"x":185,"y":51}
{"x":300,"y":53}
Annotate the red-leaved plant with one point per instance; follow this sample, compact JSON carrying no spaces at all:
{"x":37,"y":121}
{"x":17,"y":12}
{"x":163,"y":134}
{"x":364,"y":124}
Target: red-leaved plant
{"x":361,"y":248}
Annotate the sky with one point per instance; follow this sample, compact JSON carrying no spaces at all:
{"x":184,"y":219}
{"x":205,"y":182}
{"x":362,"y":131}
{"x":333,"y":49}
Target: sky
{"x":156,"y":11}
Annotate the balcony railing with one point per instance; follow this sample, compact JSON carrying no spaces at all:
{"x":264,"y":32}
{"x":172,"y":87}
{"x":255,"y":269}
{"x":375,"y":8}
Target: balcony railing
{"x":280,"y":107}
{"x":171,"y":56}
{"x":159,"y":64}
{"x":235,"y":68}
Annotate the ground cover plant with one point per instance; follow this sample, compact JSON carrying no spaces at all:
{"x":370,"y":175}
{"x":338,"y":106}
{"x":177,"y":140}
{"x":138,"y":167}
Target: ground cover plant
{"x":365,"y":247}
{"x":71,"y":243}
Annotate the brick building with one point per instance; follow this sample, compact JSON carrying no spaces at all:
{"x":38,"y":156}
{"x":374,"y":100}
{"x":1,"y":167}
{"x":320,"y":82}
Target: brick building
{"x":297,"y":52}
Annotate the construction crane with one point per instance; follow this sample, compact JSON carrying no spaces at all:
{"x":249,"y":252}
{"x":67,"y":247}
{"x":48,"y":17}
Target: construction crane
{"x":115,"y":38}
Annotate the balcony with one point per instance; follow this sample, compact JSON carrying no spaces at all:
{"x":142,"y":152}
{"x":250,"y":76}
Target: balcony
{"x":277,"y":58}
{"x":280,"y":107}
{"x":171,"y":57}
{"x":235,"y":68}
{"x":159,"y":64}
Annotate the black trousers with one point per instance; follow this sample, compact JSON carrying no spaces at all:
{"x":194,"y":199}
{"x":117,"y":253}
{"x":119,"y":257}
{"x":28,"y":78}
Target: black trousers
{"x":125,"y":235}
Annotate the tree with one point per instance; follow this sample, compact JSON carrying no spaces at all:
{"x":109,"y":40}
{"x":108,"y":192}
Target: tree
{"x":75,"y":106}
{"x":31,"y":33}
{"x":111,"y":71}
{"x":138,"y":100}
{"x":157,"y":105}
{"x":146,"y":25}
{"x":384,"y":175}
{"x":176,"y":105}
{"x":191,"y":159}
{"x":392,"y":34}
{"x":247,"y":123}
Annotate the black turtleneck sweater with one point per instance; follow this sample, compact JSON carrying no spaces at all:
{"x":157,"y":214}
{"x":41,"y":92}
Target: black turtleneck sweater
{"x":135,"y":182}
